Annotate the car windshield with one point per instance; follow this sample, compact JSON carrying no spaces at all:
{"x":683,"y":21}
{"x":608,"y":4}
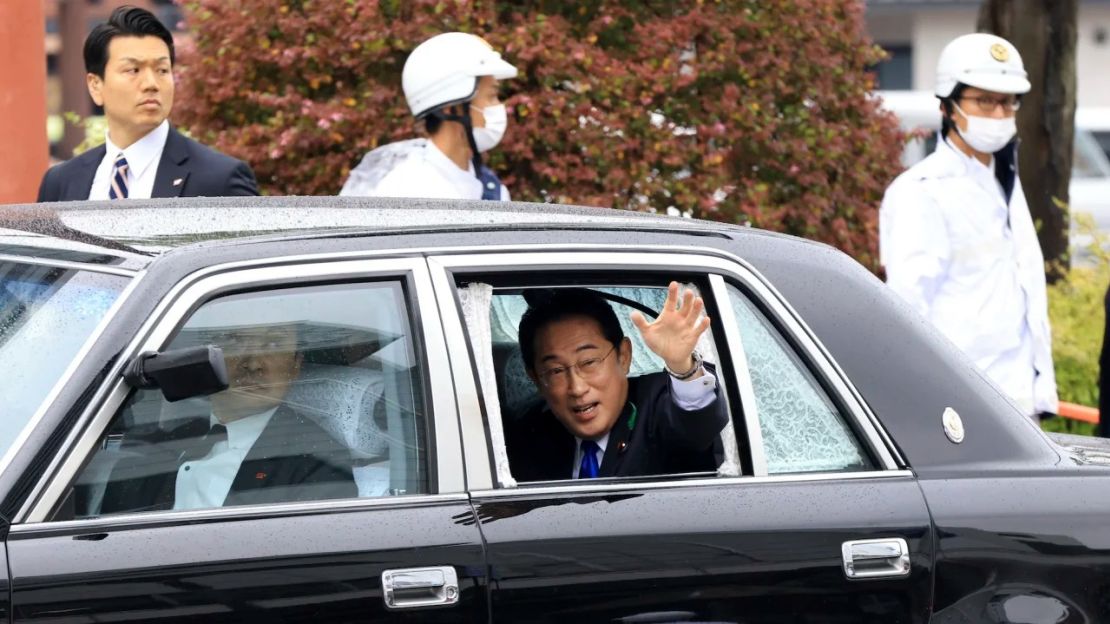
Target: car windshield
{"x":1089,"y":159}
{"x":47,"y":314}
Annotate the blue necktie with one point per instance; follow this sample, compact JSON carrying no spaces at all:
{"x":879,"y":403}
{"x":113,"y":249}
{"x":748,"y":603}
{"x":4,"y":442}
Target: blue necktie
{"x":589,"y":467}
{"x":118,"y":187}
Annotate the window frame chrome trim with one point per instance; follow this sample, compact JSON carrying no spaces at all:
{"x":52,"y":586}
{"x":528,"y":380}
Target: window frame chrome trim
{"x":63,"y":380}
{"x":237,"y":513}
{"x":594,"y":257}
{"x":190,"y":293}
{"x":742,"y":373}
{"x":67,"y":264}
{"x":576,"y":486}
{"x":475,"y":442}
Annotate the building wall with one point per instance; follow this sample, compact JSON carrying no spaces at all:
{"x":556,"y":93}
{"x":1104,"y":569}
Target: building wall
{"x":927,"y":31}
{"x":1093,"y":55}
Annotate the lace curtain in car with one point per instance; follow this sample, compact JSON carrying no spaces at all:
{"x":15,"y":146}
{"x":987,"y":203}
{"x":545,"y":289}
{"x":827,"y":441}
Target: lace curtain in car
{"x":802,"y":430}
{"x":475,"y":299}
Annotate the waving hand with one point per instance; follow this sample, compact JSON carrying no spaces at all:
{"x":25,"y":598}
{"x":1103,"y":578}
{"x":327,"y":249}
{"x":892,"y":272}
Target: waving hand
{"x":675,"y":333}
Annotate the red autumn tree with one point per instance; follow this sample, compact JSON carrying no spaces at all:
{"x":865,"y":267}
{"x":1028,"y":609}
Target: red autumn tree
{"x":736,"y":110}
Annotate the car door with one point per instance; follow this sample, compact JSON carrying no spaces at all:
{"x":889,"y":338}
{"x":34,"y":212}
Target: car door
{"x":824,"y":523}
{"x":353,"y":509}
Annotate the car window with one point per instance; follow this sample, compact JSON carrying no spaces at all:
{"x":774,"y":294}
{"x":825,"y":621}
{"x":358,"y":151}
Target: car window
{"x":1103,"y":139}
{"x":526,"y":417}
{"x":46,"y":315}
{"x":1088,"y":159}
{"x":802,"y":429}
{"x":325,"y":401}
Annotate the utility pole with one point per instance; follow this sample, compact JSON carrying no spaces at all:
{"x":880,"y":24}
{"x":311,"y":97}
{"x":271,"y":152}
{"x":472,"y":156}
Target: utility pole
{"x":24,"y":150}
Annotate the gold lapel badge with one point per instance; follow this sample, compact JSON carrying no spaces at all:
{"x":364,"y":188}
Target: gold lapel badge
{"x":1000,"y":53}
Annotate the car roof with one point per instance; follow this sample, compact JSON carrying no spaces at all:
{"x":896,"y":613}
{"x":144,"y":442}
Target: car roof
{"x":131,"y":234}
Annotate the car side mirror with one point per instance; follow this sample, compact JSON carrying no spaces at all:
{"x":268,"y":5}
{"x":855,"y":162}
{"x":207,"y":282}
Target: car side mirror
{"x":180,"y":373}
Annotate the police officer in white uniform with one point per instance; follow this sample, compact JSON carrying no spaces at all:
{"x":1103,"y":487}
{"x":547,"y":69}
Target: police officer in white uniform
{"x":956,"y":237}
{"x":450,"y":83}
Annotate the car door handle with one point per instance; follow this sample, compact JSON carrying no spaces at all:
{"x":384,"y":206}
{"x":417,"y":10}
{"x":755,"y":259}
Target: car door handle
{"x":420,"y":587}
{"x":876,"y":558}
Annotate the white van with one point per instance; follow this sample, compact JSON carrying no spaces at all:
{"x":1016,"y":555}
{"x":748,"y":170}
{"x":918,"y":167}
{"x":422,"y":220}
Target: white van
{"x":1096,"y":120}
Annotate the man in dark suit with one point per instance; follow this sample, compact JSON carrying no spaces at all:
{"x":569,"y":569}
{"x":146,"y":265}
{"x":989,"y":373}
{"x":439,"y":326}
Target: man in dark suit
{"x":129,"y":64}
{"x":252,"y":449}
{"x":596,"y":422}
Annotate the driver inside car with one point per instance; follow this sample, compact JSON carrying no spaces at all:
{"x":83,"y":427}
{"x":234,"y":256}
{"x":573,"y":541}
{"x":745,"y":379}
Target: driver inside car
{"x":596,"y":421}
{"x":252,"y":448}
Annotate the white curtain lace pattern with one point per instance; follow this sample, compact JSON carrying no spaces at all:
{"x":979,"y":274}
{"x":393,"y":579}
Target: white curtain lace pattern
{"x":476,"y":299}
{"x":802,"y":430}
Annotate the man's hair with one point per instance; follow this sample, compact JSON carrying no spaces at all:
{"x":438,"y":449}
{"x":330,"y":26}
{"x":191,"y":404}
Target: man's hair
{"x":563,"y":303}
{"x":126,"y":21}
{"x":432,"y":124}
{"x":948,"y":105}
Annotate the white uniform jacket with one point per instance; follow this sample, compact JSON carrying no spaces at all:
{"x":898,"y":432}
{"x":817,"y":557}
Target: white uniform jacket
{"x":972,"y":265}
{"x":428,"y":172}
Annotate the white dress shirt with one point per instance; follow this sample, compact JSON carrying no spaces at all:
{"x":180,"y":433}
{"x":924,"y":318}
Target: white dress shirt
{"x":689,"y":395}
{"x":972,"y":265}
{"x":430,"y":173}
{"x":142,"y":157}
{"x":204,"y":483}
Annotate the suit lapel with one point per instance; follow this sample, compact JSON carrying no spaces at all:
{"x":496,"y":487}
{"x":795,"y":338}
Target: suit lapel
{"x":172,"y":174}
{"x":78,"y":185}
{"x":259,"y":467}
{"x":562,"y":448}
{"x":619,"y":437}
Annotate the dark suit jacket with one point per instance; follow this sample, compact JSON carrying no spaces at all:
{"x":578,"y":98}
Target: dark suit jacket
{"x":661,"y":439}
{"x":292,"y":460}
{"x":187,"y":169}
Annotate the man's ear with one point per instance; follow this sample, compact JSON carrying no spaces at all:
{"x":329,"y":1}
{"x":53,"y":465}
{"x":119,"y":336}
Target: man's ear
{"x":95,"y":83}
{"x":625,"y":351}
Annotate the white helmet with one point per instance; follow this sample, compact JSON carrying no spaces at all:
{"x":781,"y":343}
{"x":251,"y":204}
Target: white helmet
{"x":983,"y":61}
{"x":444,"y":70}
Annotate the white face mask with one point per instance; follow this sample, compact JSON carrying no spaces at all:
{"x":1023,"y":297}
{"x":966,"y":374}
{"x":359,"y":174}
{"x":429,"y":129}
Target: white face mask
{"x":987,"y":135}
{"x":497,"y":120}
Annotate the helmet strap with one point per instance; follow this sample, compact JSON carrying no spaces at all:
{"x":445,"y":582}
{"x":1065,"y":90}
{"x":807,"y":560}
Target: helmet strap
{"x":468,"y":126}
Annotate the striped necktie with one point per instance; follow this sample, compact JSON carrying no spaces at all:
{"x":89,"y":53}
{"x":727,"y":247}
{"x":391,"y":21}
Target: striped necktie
{"x":119,"y":179}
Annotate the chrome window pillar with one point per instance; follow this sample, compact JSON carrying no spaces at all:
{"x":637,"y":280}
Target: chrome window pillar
{"x":475,"y":449}
{"x":740,"y":372}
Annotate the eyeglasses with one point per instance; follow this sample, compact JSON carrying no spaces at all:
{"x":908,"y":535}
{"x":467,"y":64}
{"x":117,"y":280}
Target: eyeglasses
{"x":559,"y":376}
{"x":988,"y":104}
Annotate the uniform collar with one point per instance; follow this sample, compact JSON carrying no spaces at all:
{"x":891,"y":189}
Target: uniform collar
{"x":142,"y":153}
{"x":244,"y":432}
{"x":462,"y":179}
{"x":970,"y":164}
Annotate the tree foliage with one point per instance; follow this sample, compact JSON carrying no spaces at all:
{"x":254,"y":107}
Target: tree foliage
{"x":736,"y":110}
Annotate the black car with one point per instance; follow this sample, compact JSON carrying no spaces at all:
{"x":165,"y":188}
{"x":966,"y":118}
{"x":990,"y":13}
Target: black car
{"x":869,"y":472}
